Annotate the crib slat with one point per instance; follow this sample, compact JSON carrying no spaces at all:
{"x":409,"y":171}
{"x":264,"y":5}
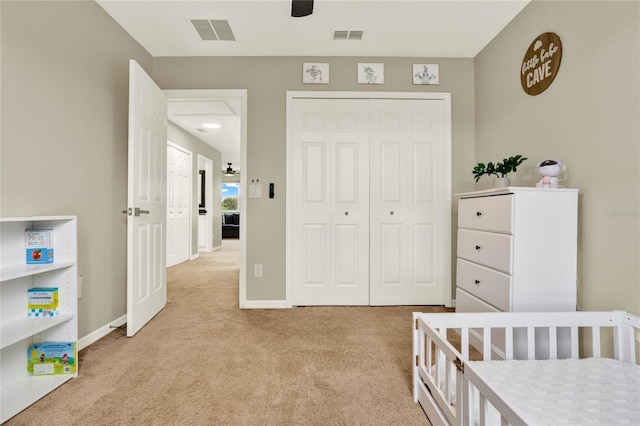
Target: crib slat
{"x":508,"y":343}
{"x":464,"y":337}
{"x":483,"y":410}
{"x":447,"y":381}
{"x":574,"y":342}
{"x":553,"y":343}
{"x":428,"y":352}
{"x":486,"y":344}
{"x":596,"y":341}
{"x":531,"y":343}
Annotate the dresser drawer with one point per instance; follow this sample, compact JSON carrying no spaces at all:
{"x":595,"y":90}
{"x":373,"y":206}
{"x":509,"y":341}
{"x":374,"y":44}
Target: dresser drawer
{"x":466,"y":302}
{"x":486,"y":213}
{"x":487,"y":284}
{"x":486,"y":248}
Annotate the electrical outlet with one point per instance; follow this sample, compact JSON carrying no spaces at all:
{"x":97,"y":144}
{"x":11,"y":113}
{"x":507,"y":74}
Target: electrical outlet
{"x":257,"y":270}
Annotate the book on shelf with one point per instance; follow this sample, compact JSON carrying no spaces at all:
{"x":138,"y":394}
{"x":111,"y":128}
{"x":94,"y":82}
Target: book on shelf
{"x":42,"y":302}
{"x":49,"y":358}
{"x":39,"y":244}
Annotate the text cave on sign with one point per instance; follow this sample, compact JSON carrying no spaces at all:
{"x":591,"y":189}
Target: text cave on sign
{"x":541,"y":63}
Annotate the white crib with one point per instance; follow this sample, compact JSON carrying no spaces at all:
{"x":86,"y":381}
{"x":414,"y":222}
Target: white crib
{"x":600,"y":386}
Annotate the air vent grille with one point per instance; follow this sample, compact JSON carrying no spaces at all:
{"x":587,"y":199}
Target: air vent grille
{"x":213,"y":29}
{"x":348,"y":35}
{"x":201,"y":130}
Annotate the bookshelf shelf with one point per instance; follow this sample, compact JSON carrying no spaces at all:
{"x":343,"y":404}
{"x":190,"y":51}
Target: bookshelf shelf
{"x":18,"y":389}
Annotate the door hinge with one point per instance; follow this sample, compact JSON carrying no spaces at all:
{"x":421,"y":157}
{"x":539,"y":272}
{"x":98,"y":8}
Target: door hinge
{"x":417,"y":362}
{"x":416,"y":323}
{"x":459,"y":364}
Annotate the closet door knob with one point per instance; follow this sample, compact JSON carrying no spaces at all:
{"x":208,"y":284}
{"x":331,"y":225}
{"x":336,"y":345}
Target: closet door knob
{"x":477,"y":247}
{"x":346,"y":213}
{"x":477,"y":282}
{"x":478,"y":213}
{"x":391,"y":213}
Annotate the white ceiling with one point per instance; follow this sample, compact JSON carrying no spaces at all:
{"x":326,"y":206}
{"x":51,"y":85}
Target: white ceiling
{"x":191,"y":113}
{"x":400,"y":28}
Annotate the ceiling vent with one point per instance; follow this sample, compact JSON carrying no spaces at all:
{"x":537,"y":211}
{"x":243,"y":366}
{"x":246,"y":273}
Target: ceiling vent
{"x":213,"y":29}
{"x":348,"y":35}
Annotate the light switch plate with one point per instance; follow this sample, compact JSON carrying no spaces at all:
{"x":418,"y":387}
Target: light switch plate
{"x":255,"y":190}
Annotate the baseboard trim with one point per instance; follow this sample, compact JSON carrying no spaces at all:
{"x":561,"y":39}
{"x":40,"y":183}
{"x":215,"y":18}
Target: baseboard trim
{"x":101,"y":332}
{"x":194,"y":256}
{"x":264,"y":304}
{"x":217,"y":248}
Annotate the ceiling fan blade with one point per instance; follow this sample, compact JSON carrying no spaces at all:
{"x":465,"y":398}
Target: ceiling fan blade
{"x":300,"y":8}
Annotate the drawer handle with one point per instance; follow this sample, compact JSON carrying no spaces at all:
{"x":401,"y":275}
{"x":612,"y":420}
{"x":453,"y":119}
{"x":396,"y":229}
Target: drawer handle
{"x":478,"y":213}
{"x":477,"y":247}
{"x":477,"y":282}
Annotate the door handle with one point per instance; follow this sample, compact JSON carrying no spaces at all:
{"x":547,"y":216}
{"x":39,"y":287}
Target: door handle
{"x":136,"y":211}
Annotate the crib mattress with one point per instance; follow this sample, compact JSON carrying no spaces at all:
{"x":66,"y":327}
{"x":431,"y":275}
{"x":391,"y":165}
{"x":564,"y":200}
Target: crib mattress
{"x":588,"y":391}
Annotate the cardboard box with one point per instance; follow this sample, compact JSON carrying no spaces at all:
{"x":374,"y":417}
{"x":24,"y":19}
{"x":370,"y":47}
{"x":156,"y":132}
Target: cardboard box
{"x":39,"y":244}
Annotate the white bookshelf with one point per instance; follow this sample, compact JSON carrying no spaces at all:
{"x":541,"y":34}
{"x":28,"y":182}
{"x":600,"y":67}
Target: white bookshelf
{"x":18,"y":389}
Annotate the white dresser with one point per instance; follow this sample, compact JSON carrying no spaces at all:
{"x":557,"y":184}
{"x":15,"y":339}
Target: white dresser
{"x":517,"y":250}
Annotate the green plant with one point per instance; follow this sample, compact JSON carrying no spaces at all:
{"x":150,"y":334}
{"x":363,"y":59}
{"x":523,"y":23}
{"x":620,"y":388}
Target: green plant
{"x":501,"y":169}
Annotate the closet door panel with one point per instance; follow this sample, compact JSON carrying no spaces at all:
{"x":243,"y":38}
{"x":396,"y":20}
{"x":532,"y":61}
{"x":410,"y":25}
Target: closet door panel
{"x":391,"y":246}
{"x":314,"y":181}
{"x":423,"y":254}
{"x":415,"y":165}
{"x":390,"y":160}
{"x":330,"y":192}
{"x":314,"y":255}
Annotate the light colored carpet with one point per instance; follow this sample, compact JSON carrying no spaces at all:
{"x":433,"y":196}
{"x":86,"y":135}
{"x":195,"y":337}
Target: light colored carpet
{"x":203,"y":361}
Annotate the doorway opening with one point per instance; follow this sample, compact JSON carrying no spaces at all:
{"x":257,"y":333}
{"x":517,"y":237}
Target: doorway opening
{"x":220,"y":105}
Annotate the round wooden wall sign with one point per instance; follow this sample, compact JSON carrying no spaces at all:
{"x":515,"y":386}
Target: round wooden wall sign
{"x":541,"y":63}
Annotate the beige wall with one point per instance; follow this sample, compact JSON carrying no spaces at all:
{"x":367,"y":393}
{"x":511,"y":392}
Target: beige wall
{"x":65,"y":88}
{"x":64,"y":112}
{"x":589,"y":117}
{"x":186,"y":140}
{"x":267,"y":79}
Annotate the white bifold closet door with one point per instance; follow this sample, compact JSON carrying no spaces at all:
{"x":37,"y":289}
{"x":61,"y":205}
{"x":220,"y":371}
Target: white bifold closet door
{"x":407,"y":235}
{"x":368,"y":202}
{"x":178,"y":201}
{"x":331,"y":202}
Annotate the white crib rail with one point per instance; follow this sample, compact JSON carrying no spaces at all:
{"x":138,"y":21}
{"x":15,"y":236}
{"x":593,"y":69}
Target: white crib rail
{"x":436,"y":360}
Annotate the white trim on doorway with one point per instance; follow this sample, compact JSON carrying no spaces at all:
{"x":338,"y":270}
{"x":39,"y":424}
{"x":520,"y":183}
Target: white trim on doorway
{"x":241,"y":94}
{"x":206,"y":164}
{"x":291,"y":96}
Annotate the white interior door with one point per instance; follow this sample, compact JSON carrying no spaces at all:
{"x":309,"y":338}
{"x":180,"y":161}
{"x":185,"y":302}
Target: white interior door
{"x":179,"y":179}
{"x":331,"y":210}
{"x":146,"y":239}
{"x":408,"y":203}
{"x":394,"y":159}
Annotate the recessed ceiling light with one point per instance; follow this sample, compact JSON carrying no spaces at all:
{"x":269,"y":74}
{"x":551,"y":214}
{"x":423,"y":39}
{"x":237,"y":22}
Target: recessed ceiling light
{"x":211,"y":125}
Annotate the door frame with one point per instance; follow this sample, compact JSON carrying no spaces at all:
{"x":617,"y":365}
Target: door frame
{"x":208,"y":227}
{"x":292,"y":95}
{"x":241,"y":94}
{"x":189,"y":213}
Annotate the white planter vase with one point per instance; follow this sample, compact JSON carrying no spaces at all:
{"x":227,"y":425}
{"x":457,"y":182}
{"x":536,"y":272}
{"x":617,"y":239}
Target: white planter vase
{"x":501,"y":182}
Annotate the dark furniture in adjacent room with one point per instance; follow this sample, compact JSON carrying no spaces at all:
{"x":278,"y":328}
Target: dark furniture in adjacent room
{"x":230,"y":225}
